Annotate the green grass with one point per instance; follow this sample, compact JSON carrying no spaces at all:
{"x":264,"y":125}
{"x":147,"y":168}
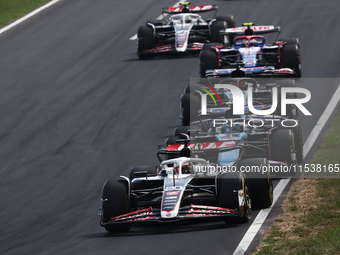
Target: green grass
{"x":11,"y":10}
{"x":319,"y":230}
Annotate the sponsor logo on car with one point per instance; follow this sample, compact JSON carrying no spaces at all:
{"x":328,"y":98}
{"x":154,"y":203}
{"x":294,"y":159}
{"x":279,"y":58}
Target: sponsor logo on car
{"x":172,"y":197}
{"x":172,"y":193}
{"x":167,"y":201}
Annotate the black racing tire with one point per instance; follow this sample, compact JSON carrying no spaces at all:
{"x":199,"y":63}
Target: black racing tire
{"x":229,"y":19}
{"x":291,"y":58}
{"x":215,"y":31}
{"x":261,"y":185}
{"x":191,"y":89}
{"x":181,"y":130}
{"x":227,"y":190}
{"x":298,"y":143}
{"x":230,"y":23}
{"x":190,"y":104}
{"x":208,"y":60}
{"x":146,"y":41}
{"x":114,"y":203}
{"x":187,"y":89}
{"x":287,"y":83}
{"x":282,"y":146}
{"x":171,"y":140}
{"x":291,"y":110}
{"x":291,"y":40}
{"x":297,"y":132}
{"x":151,"y":170}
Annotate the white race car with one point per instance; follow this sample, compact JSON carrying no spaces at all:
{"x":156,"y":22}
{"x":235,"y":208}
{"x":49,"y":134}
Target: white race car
{"x":183,"y":188}
{"x":183,"y":31}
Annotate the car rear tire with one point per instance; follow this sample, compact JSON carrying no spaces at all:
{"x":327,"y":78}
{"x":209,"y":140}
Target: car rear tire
{"x":291,"y":40}
{"x":228,"y":186}
{"x":146,"y":41}
{"x":297,"y":138}
{"x":282,"y":147}
{"x":114,"y":203}
{"x":181,"y":130}
{"x":208,"y":60}
{"x":230,"y":23}
{"x":171,"y":140}
{"x":291,"y":110}
{"x":261,"y":188}
{"x":215,"y":31}
{"x":298,"y":143}
{"x":291,"y":58}
{"x":187,"y":88}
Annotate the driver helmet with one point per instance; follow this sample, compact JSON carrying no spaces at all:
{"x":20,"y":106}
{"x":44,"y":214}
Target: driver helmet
{"x":235,"y":128}
{"x":245,"y":43}
{"x":186,"y":168}
{"x":253,"y":43}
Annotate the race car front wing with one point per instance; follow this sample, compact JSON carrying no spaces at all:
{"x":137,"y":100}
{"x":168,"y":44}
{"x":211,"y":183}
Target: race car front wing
{"x":186,"y":212}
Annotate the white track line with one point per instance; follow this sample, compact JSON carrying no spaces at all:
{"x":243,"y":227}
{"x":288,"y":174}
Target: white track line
{"x":159,"y":17}
{"x":28,"y":16}
{"x":261,"y":217}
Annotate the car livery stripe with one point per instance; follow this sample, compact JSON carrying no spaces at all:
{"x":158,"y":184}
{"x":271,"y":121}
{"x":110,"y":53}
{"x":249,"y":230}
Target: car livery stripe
{"x":194,"y":8}
{"x":202,"y":146}
{"x":134,"y":216}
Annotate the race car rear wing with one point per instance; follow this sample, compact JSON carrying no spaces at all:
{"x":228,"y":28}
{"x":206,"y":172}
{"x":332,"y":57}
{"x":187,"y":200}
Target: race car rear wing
{"x":192,"y":9}
{"x":250,"y":30}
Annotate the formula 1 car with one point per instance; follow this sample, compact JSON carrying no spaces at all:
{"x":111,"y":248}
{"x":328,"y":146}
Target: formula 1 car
{"x":250,"y":51}
{"x":183,"y":189}
{"x":183,"y":31}
{"x":267,"y":140}
{"x":274,"y":137}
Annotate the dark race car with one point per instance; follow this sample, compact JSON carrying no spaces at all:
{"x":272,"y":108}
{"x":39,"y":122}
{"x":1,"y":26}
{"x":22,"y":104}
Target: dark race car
{"x":273,"y":137}
{"x":251,"y":52}
{"x":181,"y":30}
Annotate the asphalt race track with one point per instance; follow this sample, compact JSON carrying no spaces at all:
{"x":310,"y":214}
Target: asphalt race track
{"x":77,"y":107}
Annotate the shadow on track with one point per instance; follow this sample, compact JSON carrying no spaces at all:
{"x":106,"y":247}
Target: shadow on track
{"x":164,"y":229}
